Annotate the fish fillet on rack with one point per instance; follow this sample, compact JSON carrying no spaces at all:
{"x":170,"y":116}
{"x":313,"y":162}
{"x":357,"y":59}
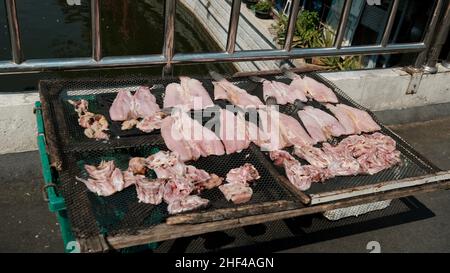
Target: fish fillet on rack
{"x":256,"y":135}
{"x":144,"y":103}
{"x":344,"y":119}
{"x":318,"y":91}
{"x":121,"y":108}
{"x":181,"y":181}
{"x":238,"y":190}
{"x":319,"y":124}
{"x":187,"y":203}
{"x":139,"y":110}
{"x":104,"y":179}
{"x":237,"y":193}
{"x":152,"y":122}
{"x":283,"y":130}
{"x":150,"y":191}
{"x":95,"y":125}
{"x":282,"y":92}
{"x":301,"y":176}
{"x":374,"y":153}
{"x":233,"y":132}
{"x":362,"y":121}
{"x":137,"y":165}
{"x":188,"y":138}
{"x":244,"y":174}
{"x":225,"y":90}
{"x":315,"y":156}
{"x":342,"y":162}
{"x":188,"y":94}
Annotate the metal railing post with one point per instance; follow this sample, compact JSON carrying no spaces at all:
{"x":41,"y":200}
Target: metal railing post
{"x":291,"y":25}
{"x":233,"y":27}
{"x":95,"y":32}
{"x":429,"y":34}
{"x":343,"y":24}
{"x":169,"y":35}
{"x":14,"y":33}
{"x":446,"y":63}
{"x":390,"y":23}
{"x":438,"y":43}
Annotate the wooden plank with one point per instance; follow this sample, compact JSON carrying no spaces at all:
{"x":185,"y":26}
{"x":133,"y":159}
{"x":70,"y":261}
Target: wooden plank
{"x":304,"y":198}
{"x":230,"y":213}
{"x":325,"y":197}
{"x":167,"y":232}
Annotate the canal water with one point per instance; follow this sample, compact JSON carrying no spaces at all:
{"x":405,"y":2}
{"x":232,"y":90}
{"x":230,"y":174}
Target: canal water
{"x":55,"y":29}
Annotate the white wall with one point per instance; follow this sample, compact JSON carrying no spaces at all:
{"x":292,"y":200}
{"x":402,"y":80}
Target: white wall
{"x":384,"y":89}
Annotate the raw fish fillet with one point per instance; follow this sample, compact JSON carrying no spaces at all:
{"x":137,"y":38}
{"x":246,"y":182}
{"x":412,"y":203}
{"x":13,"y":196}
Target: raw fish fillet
{"x":189,"y":94}
{"x":187,"y":203}
{"x":361,"y":119}
{"x":237,"y":193}
{"x":244,"y":174}
{"x":188,"y":138}
{"x":224,"y":89}
{"x":233,"y":132}
{"x":318,"y":91}
{"x":282,"y":92}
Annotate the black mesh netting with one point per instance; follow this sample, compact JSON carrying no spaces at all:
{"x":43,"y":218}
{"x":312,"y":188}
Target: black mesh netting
{"x":413,"y":164}
{"x":121,"y":213}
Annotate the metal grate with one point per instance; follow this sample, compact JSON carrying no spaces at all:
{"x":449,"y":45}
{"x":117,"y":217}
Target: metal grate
{"x":413,"y":164}
{"x":122,"y":213}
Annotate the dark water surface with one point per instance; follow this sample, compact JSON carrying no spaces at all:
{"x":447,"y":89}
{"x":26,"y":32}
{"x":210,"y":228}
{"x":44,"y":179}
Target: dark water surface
{"x":53,"y":29}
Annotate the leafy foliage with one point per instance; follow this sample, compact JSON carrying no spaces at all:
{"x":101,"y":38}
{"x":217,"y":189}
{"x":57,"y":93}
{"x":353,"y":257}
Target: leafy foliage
{"x":310,"y":33}
{"x":263,"y":6}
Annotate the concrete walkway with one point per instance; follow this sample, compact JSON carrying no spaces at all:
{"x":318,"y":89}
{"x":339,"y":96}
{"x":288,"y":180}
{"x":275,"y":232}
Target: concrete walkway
{"x":28,"y":226}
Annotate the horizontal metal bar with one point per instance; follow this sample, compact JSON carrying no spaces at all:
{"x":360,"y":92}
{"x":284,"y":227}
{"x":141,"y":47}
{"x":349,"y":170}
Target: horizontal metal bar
{"x":233,"y":28}
{"x":14,"y":32}
{"x":343,"y":23}
{"x":38,"y":65}
{"x":256,"y":55}
{"x":390,"y":23}
{"x":291,"y":25}
{"x":380,"y":187}
{"x":248,"y":55}
{"x":95,"y":26}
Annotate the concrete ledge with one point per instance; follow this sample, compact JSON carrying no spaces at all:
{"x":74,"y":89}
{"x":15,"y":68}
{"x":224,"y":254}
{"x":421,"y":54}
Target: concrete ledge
{"x":385,"y":89}
{"x":17,"y":122}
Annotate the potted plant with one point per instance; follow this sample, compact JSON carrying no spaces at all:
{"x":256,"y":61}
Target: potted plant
{"x":263,"y":9}
{"x":250,"y":3}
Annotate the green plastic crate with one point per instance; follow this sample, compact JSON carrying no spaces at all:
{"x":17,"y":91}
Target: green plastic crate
{"x":56,"y":203}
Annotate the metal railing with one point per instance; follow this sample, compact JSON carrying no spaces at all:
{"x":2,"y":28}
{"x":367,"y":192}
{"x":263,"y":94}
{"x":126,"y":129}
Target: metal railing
{"x":168,"y":57}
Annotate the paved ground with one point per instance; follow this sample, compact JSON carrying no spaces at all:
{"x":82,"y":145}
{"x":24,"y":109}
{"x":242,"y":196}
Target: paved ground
{"x":27,"y":226}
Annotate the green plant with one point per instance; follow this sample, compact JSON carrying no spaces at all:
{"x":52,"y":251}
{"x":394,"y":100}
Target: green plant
{"x":310,"y":33}
{"x":263,"y":6}
{"x":307,"y":33}
{"x":337,"y":62}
